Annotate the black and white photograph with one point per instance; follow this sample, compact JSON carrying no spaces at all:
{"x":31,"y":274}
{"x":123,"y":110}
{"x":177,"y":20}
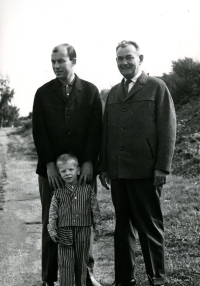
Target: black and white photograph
{"x":99,"y":143}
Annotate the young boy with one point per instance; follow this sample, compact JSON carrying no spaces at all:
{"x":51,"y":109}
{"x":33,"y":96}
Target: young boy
{"x":72,"y":212}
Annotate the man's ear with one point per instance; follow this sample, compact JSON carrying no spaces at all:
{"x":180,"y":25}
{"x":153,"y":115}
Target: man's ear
{"x":141,"y":58}
{"x":74,"y":61}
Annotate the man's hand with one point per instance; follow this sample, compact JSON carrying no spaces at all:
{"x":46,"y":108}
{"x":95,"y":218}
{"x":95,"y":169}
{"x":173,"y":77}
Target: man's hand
{"x":86,"y":173}
{"x":105,"y":181}
{"x":159,"y":180}
{"x":55,"y":238}
{"x":55,"y":181}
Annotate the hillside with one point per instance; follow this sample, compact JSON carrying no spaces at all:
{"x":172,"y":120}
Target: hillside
{"x":187,"y":153}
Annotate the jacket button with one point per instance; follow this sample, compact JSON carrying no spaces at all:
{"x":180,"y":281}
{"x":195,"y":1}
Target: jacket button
{"x":124,"y":110}
{"x":69,"y":133}
{"x":121,"y":148}
{"x":122,"y":129}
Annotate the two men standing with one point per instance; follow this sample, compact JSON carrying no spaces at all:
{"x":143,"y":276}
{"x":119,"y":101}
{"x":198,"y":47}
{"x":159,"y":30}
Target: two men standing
{"x":137,"y":147}
{"x":138,"y":141}
{"x":67,"y":117}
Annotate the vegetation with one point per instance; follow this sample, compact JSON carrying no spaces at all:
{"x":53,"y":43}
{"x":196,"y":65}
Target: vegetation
{"x":184,"y":80}
{"x":8,"y":113}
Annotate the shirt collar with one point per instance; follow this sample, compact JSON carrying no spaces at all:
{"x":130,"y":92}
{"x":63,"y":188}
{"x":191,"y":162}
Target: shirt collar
{"x":134,"y":79}
{"x":71,"y":187}
{"x":71,"y":83}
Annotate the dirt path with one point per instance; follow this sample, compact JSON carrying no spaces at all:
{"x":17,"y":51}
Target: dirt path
{"x":20,"y":217}
{"x":20,"y":227}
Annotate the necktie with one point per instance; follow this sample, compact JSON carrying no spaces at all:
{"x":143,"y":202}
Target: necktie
{"x":126,"y":87}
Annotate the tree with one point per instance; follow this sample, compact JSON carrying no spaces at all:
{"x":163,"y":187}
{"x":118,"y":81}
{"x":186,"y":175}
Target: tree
{"x":8,"y":113}
{"x":184,"y":80}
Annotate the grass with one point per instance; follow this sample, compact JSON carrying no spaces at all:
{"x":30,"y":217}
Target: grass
{"x":181,"y":208}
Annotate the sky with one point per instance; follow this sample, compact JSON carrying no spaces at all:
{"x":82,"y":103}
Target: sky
{"x":166,"y":30}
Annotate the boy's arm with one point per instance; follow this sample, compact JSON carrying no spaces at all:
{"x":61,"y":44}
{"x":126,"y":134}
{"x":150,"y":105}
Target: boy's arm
{"x":53,"y":217}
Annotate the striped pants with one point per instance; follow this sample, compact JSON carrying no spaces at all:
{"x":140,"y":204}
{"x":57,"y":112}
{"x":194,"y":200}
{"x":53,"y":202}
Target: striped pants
{"x":72,"y":260}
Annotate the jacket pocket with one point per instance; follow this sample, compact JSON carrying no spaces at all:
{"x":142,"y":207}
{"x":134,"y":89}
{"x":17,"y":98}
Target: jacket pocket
{"x":150,"y":148}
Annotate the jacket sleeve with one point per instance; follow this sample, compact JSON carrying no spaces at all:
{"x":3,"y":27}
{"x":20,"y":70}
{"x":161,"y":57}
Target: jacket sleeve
{"x":53,"y":217}
{"x":166,"y":129}
{"x":92,"y":146}
{"x":103,"y":160}
{"x":95,"y":211}
{"x":40,"y":135}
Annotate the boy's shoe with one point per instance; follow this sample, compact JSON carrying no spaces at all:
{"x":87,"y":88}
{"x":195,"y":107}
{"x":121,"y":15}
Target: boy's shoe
{"x":91,"y":281}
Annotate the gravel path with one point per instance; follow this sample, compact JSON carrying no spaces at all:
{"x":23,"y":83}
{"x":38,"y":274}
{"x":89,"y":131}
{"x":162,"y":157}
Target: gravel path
{"x":20,"y":227}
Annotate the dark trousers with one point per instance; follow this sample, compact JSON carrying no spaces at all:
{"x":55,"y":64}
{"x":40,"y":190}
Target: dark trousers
{"x":137,"y":207}
{"x":49,"y":248}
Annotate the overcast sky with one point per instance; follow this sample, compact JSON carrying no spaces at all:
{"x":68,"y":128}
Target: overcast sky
{"x":166,"y":30}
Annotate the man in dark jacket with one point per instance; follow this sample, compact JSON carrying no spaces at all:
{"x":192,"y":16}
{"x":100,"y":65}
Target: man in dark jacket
{"x":67,"y":117}
{"x":138,"y":141}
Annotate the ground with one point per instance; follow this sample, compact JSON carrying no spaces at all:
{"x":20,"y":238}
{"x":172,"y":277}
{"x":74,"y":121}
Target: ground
{"x":20,"y":216}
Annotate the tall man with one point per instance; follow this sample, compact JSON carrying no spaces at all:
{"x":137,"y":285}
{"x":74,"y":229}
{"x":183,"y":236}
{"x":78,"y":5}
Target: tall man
{"x":137,"y":147}
{"x":67,"y":117}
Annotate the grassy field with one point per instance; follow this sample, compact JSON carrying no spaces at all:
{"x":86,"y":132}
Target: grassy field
{"x":181,"y":209}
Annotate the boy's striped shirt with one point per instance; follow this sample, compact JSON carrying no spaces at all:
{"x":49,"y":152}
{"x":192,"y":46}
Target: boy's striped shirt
{"x":73,"y":206}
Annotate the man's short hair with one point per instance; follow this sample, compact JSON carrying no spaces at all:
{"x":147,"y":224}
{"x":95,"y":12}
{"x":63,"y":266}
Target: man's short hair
{"x":63,"y":159}
{"x":70,"y":50}
{"x":125,"y":43}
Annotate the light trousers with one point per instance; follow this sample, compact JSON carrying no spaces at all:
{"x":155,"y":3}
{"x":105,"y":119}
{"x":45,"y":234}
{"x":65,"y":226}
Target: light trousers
{"x":73,"y":260}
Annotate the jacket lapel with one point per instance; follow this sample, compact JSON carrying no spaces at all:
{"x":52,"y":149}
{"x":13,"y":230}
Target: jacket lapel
{"x":58,"y":89}
{"x":76,"y":89}
{"x":137,"y":86}
{"x":120,"y":91}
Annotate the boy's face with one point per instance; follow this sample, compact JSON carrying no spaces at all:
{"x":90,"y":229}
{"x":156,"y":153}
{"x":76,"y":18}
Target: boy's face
{"x":69,"y":172}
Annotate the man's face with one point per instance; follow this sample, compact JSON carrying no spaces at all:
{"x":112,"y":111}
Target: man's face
{"x":128,"y":61}
{"x":61,"y":63}
{"x":69,"y":171}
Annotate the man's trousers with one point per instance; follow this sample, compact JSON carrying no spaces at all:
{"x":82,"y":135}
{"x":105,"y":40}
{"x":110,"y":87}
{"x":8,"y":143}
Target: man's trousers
{"x":72,"y":260}
{"x":50,"y":248}
{"x":137,"y":207}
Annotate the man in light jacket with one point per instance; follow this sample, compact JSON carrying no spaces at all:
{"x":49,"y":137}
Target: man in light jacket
{"x":138,"y":141}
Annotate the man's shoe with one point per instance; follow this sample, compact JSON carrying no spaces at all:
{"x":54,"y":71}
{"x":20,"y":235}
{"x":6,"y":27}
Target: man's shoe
{"x":126,"y":283}
{"x":91,"y":281}
{"x":132,"y":282}
{"x":47,"y":284}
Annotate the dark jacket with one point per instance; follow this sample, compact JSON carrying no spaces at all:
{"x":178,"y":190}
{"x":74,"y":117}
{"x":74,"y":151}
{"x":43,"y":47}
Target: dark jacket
{"x":138,"y":132}
{"x":61,"y":125}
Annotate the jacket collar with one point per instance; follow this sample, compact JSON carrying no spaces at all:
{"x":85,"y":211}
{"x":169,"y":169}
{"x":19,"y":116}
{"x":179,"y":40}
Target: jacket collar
{"x":142,"y":80}
{"x":76,"y":89}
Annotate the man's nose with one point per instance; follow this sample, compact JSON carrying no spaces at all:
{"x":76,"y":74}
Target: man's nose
{"x":56,"y":65}
{"x":124,"y":61}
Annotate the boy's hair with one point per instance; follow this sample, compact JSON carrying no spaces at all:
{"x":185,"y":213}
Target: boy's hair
{"x":62,"y":159}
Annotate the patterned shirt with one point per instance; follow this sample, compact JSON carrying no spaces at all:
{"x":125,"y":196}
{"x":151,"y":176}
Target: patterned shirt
{"x":73,"y":206}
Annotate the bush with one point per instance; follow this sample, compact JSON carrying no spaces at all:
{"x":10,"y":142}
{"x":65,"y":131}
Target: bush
{"x":184,"y":80}
{"x":26,"y":124}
